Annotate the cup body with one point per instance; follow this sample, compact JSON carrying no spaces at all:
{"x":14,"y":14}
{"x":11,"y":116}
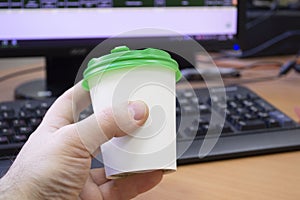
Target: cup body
{"x":153,"y":145}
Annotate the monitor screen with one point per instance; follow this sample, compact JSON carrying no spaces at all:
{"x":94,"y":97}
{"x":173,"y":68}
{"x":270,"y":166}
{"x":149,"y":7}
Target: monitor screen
{"x":35,"y":23}
{"x":65,"y":28}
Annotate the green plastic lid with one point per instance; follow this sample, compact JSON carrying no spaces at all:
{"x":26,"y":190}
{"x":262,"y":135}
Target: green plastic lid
{"x":122,"y":57}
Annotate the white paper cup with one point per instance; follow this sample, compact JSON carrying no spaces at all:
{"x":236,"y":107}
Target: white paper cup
{"x":153,"y":145}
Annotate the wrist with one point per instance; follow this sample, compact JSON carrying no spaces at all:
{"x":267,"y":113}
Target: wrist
{"x":11,"y":189}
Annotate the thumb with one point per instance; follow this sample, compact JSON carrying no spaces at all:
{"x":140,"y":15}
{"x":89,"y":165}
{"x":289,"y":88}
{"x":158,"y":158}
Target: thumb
{"x":111,"y":122}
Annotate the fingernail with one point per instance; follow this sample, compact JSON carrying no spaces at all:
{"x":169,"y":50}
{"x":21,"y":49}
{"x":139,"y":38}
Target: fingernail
{"x":137,"y":109}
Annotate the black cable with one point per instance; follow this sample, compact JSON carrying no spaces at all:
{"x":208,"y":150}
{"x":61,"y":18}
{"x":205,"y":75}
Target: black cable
{"x":20,"y":73}
{"x":291,"y":64}
{"x":269,"y":43}
{"x":284,"y":68}
{"x":273,"y":9}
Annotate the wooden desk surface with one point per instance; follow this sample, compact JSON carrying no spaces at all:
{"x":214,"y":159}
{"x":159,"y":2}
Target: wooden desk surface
{"x":275,"y":176}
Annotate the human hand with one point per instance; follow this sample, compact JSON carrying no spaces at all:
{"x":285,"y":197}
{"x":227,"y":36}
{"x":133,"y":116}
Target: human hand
{"x":55,"y":161}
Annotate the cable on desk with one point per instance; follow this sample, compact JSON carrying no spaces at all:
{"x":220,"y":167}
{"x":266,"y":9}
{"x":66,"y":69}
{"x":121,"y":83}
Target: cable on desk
{"x":263,"y":63}
{"x":20,"y":73}
{"x":259,"y":64}
{"x":291,"y":64}
{"x":194,"y":75}
{"x":283,"y":70}
{"x":254,"y":80}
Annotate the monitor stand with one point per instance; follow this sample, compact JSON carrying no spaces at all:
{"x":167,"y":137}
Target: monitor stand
{"x":61,"y":73}
{"x":35,"y":89}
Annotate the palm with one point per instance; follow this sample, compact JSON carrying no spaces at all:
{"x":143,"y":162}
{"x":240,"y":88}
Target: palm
{"x":55,"y":162}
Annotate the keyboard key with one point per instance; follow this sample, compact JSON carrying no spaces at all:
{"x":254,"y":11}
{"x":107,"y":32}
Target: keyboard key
{"x":25,"y":130}
{"x":221,"y":106}
{"x":192,"y":131}
{"x":262,"y":115}
{"x":7,"y":115}
{"x":235,"y":118}
{"x":264,"y":105}
{"x":252,"y":96}
{"x":203,"y":109}
{"x":229,"y":97}
{"x":254,"y":109}
{"x":29,"y":106}
{"x":3,"y":140}
{"x":188,"y":94}
{"x":272,"y":123}
{"x":241,"y":97}
{"x":5,"y":108}
{"x":216,"y":129}
{"x":281,"y":118}
{"x":251,"y":125}
{"x":18,"y":122}
{"x":25,"y":114}
{"x":44,"y":105}
{"x":250,"y":116}
{"x":7,"y":132}
{"x":195,"y":100}
{"x":40,"y":112}
{"x":19,"y":138}
{"x":202,"y":130}
{"x":226,"y":129}
{"x":84,"y":115}
{"x":233,"y":104}
{"x":214,"y":99}
{"x":247,"y":103}
{"x":242,"y":111}
{"x":4,"y":124}
{"x":183,"y":101}
{"x":34,"y":122}
{"x":201,"y":122}
{"x":188,"y":109}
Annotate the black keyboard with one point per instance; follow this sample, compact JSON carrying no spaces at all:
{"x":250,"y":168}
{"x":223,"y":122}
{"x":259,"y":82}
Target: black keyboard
{"x":18,"y":119}
{"x":251,"y":125}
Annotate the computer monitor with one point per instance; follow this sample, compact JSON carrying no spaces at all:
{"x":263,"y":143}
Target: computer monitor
{"x":269,"y":27}
{"x":65,"y":31}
